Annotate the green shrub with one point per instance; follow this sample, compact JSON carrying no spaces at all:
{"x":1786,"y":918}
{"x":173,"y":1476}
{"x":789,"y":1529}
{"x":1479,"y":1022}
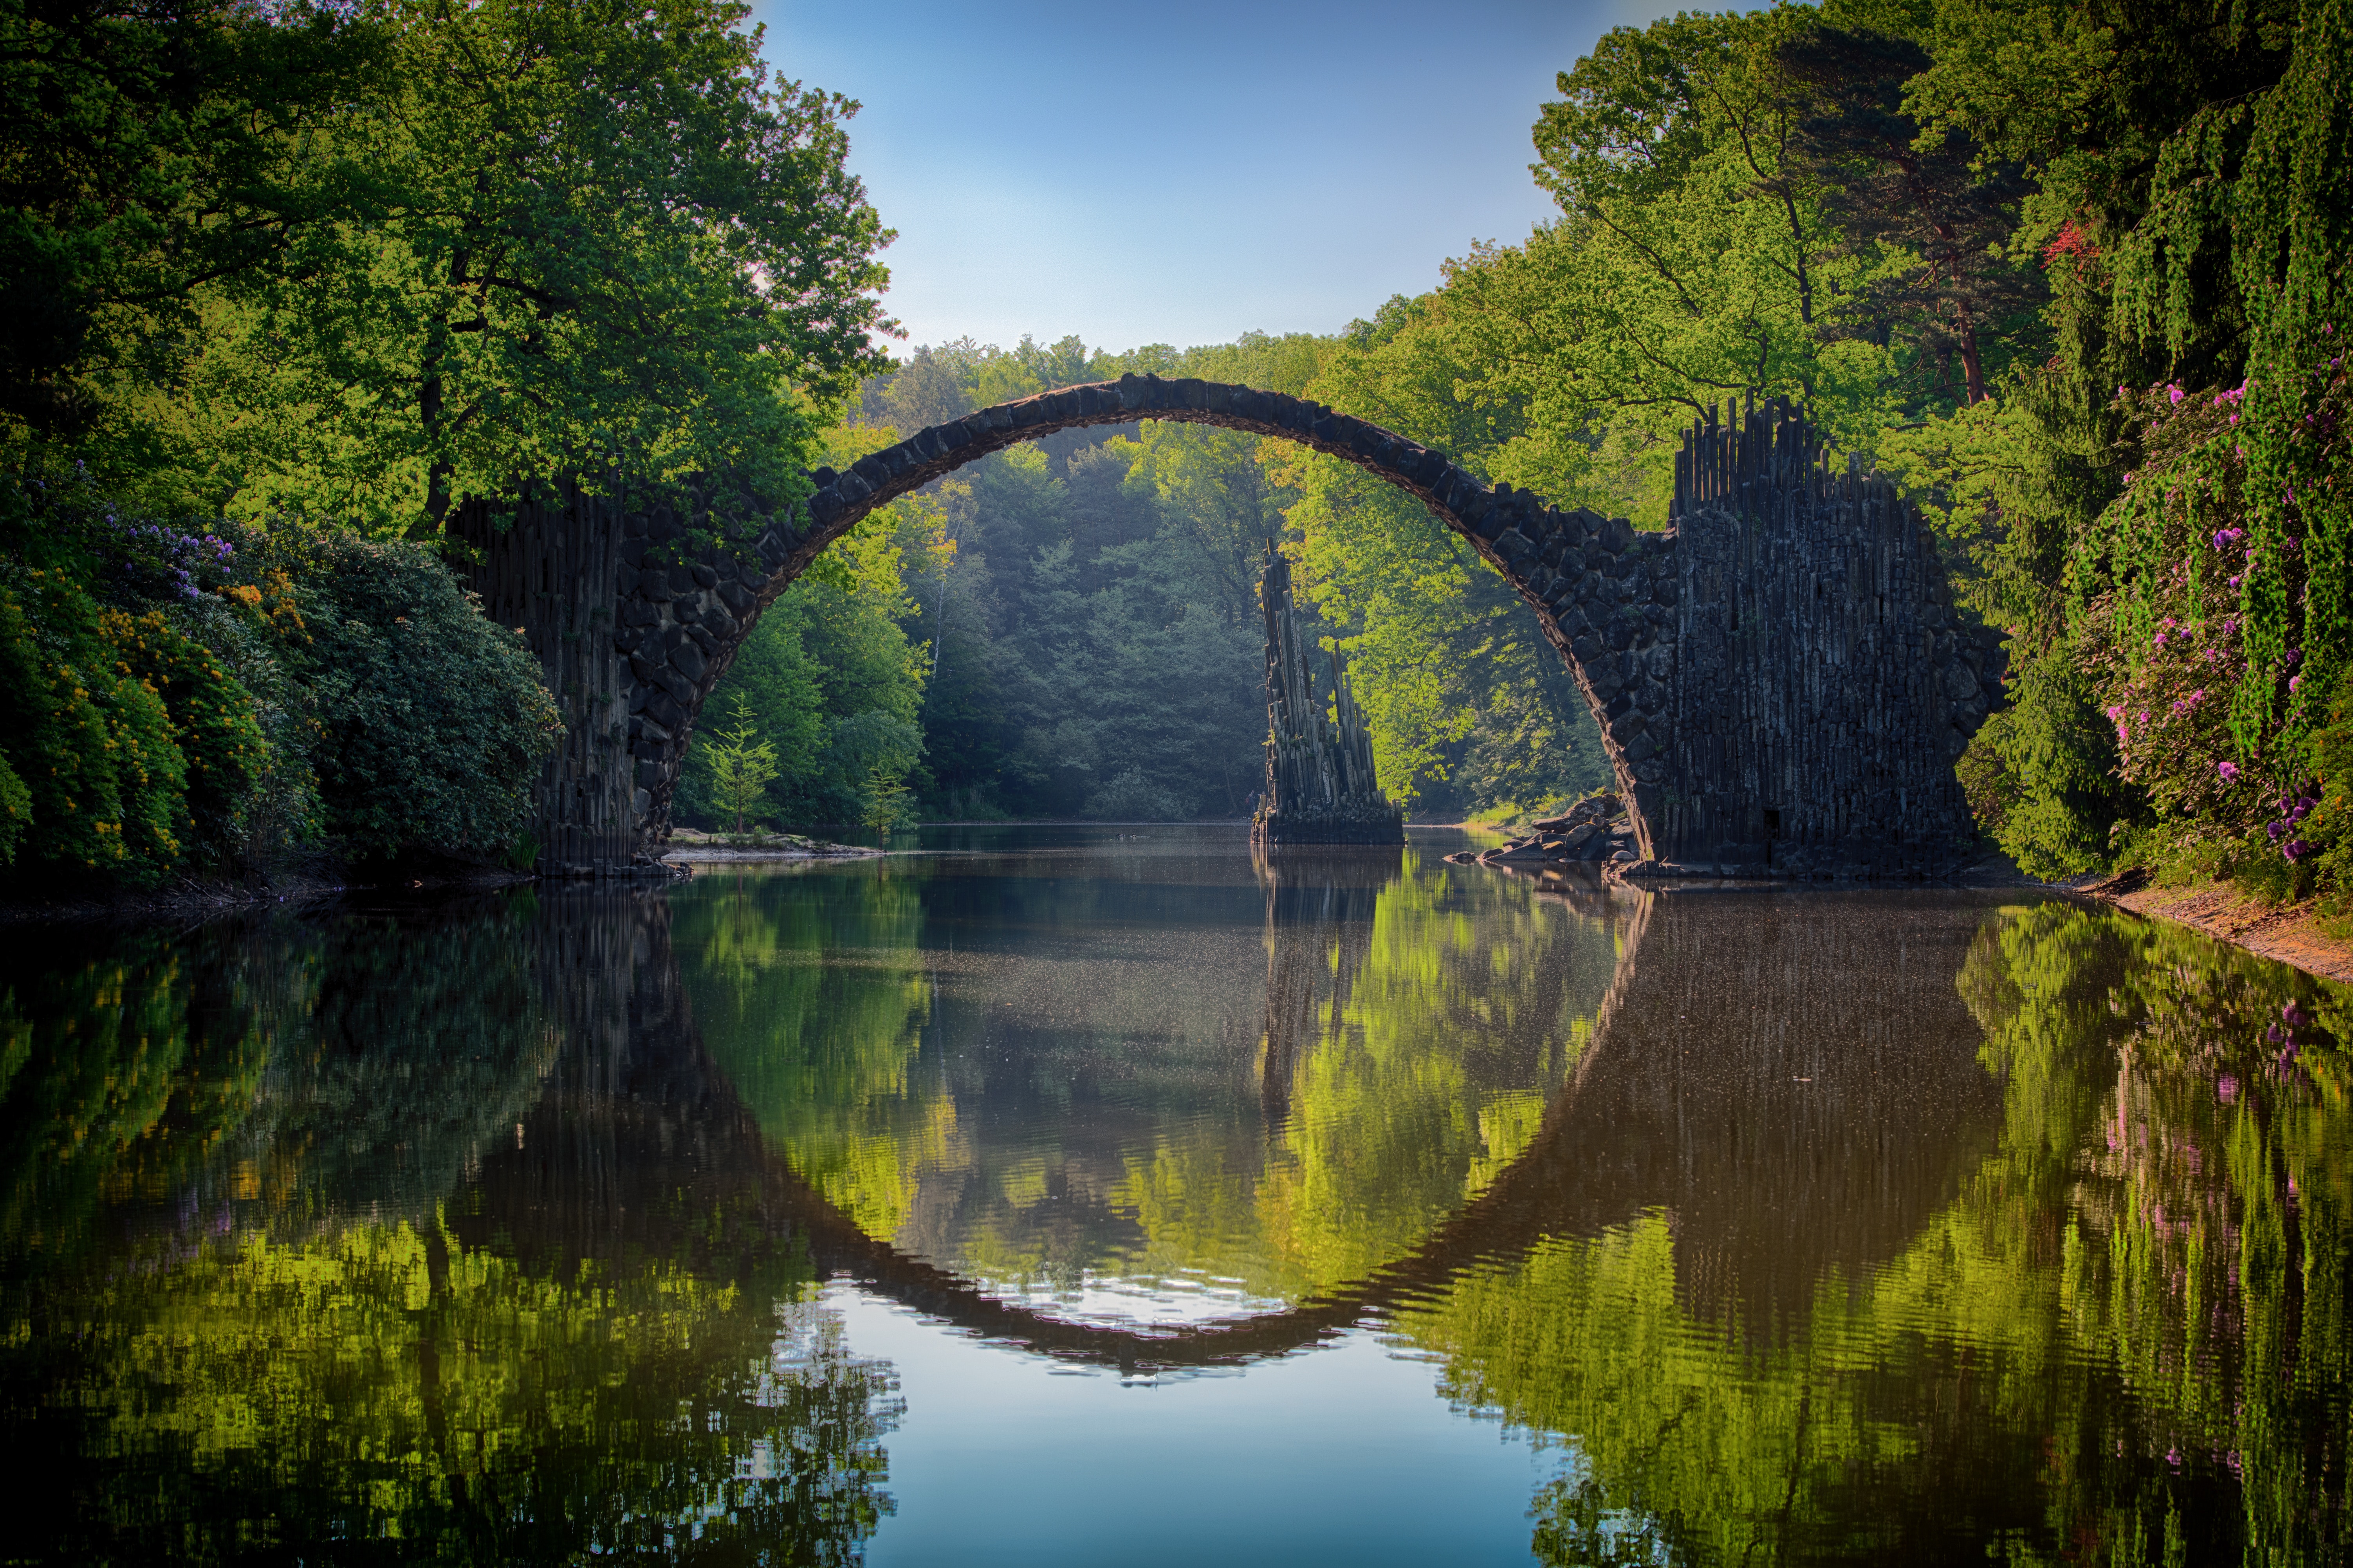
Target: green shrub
{"x":214,"y":726}
{"x":103,"y":785}
{"x":431,"y":721}
{"x":16,"y":811}
{"x":2330,"y":825}
{"x":2041,"y":775}
{"x":252,"y":632}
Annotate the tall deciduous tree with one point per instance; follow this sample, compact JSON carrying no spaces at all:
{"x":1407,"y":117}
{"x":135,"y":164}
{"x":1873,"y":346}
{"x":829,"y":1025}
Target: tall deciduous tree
{"x":149,"y":148}
{"x":611,"y":242}
{"x":1698,"y":260}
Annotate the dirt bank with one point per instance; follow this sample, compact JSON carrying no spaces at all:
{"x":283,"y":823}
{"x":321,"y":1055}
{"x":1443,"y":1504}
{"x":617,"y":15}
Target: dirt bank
{"x":2288,"y":932}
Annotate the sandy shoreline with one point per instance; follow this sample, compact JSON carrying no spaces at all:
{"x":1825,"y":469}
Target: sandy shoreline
{"x":2290,"y":934}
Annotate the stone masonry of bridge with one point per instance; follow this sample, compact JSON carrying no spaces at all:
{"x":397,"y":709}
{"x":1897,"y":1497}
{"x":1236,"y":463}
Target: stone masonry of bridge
{"x":1780,"y":679}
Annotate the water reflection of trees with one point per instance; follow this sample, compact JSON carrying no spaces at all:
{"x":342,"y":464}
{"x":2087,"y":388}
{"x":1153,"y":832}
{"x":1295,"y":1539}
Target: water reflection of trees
{"x":811,"y":992}
{"x":1416,"y":1034}
{"x":121,"y":1065}
{"x":2120,"y":1333}
{"x":1280,"y":1080}
{"x":386,"y":1235}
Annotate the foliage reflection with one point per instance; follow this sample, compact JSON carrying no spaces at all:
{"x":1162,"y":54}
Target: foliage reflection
{"x":2124,"y":1339}
{"x":286,"y":1279}
{"x":1278,"y":1085}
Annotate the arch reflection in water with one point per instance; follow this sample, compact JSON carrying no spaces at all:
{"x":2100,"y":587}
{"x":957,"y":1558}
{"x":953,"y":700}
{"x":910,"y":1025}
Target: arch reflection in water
{"x":1145,"y":1090}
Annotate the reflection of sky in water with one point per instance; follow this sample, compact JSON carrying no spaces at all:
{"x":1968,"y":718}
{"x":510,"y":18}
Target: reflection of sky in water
{"x":1329,"y":1456}
{"x":1185,"y":1296}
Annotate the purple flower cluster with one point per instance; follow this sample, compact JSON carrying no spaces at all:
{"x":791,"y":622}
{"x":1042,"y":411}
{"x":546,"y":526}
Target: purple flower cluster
{"x":159,"y":556}
{"x":2293,"y":810}
{"x":2283,"y":1034}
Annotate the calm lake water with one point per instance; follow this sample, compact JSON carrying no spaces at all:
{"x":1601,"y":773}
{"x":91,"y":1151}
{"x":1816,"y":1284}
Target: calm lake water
{"x":1049,"y":1196}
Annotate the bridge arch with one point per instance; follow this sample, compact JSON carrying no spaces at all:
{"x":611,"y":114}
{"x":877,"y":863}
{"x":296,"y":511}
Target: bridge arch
{"x":1778,"y":678}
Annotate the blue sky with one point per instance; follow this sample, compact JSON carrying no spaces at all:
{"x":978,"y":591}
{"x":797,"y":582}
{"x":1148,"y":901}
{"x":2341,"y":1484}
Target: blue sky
{"x":1143,"y":173}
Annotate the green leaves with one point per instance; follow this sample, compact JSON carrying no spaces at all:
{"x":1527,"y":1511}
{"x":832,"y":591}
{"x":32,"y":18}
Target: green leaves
{"x":101,"y":789}
{"x":148,"y":152}
{"x":615,"y":244}
{"x":741,"y":765}
{"x":432,"y":720}
{"x":889,"y":804}
{"x":360,"y":270}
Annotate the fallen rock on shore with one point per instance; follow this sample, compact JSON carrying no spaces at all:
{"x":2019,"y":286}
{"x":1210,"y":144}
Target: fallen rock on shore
{"x":1593,"y":831}
{"x":688,"y":848}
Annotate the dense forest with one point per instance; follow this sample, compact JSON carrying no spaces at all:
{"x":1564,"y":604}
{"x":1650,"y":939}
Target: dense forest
{"x":292,"y":284}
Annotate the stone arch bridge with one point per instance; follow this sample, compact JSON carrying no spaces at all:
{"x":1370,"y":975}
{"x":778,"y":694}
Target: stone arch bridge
{"x":1781,"y":682}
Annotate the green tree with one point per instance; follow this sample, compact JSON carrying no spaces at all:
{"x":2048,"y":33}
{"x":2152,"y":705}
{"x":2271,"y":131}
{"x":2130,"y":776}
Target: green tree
{"x":1940,"y":215}
{"x":741,"y":765}
{"x":889,"y":802}
{"x":607,"y":241}
{"x":149,"y":151}
{"x":831,"y":674}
